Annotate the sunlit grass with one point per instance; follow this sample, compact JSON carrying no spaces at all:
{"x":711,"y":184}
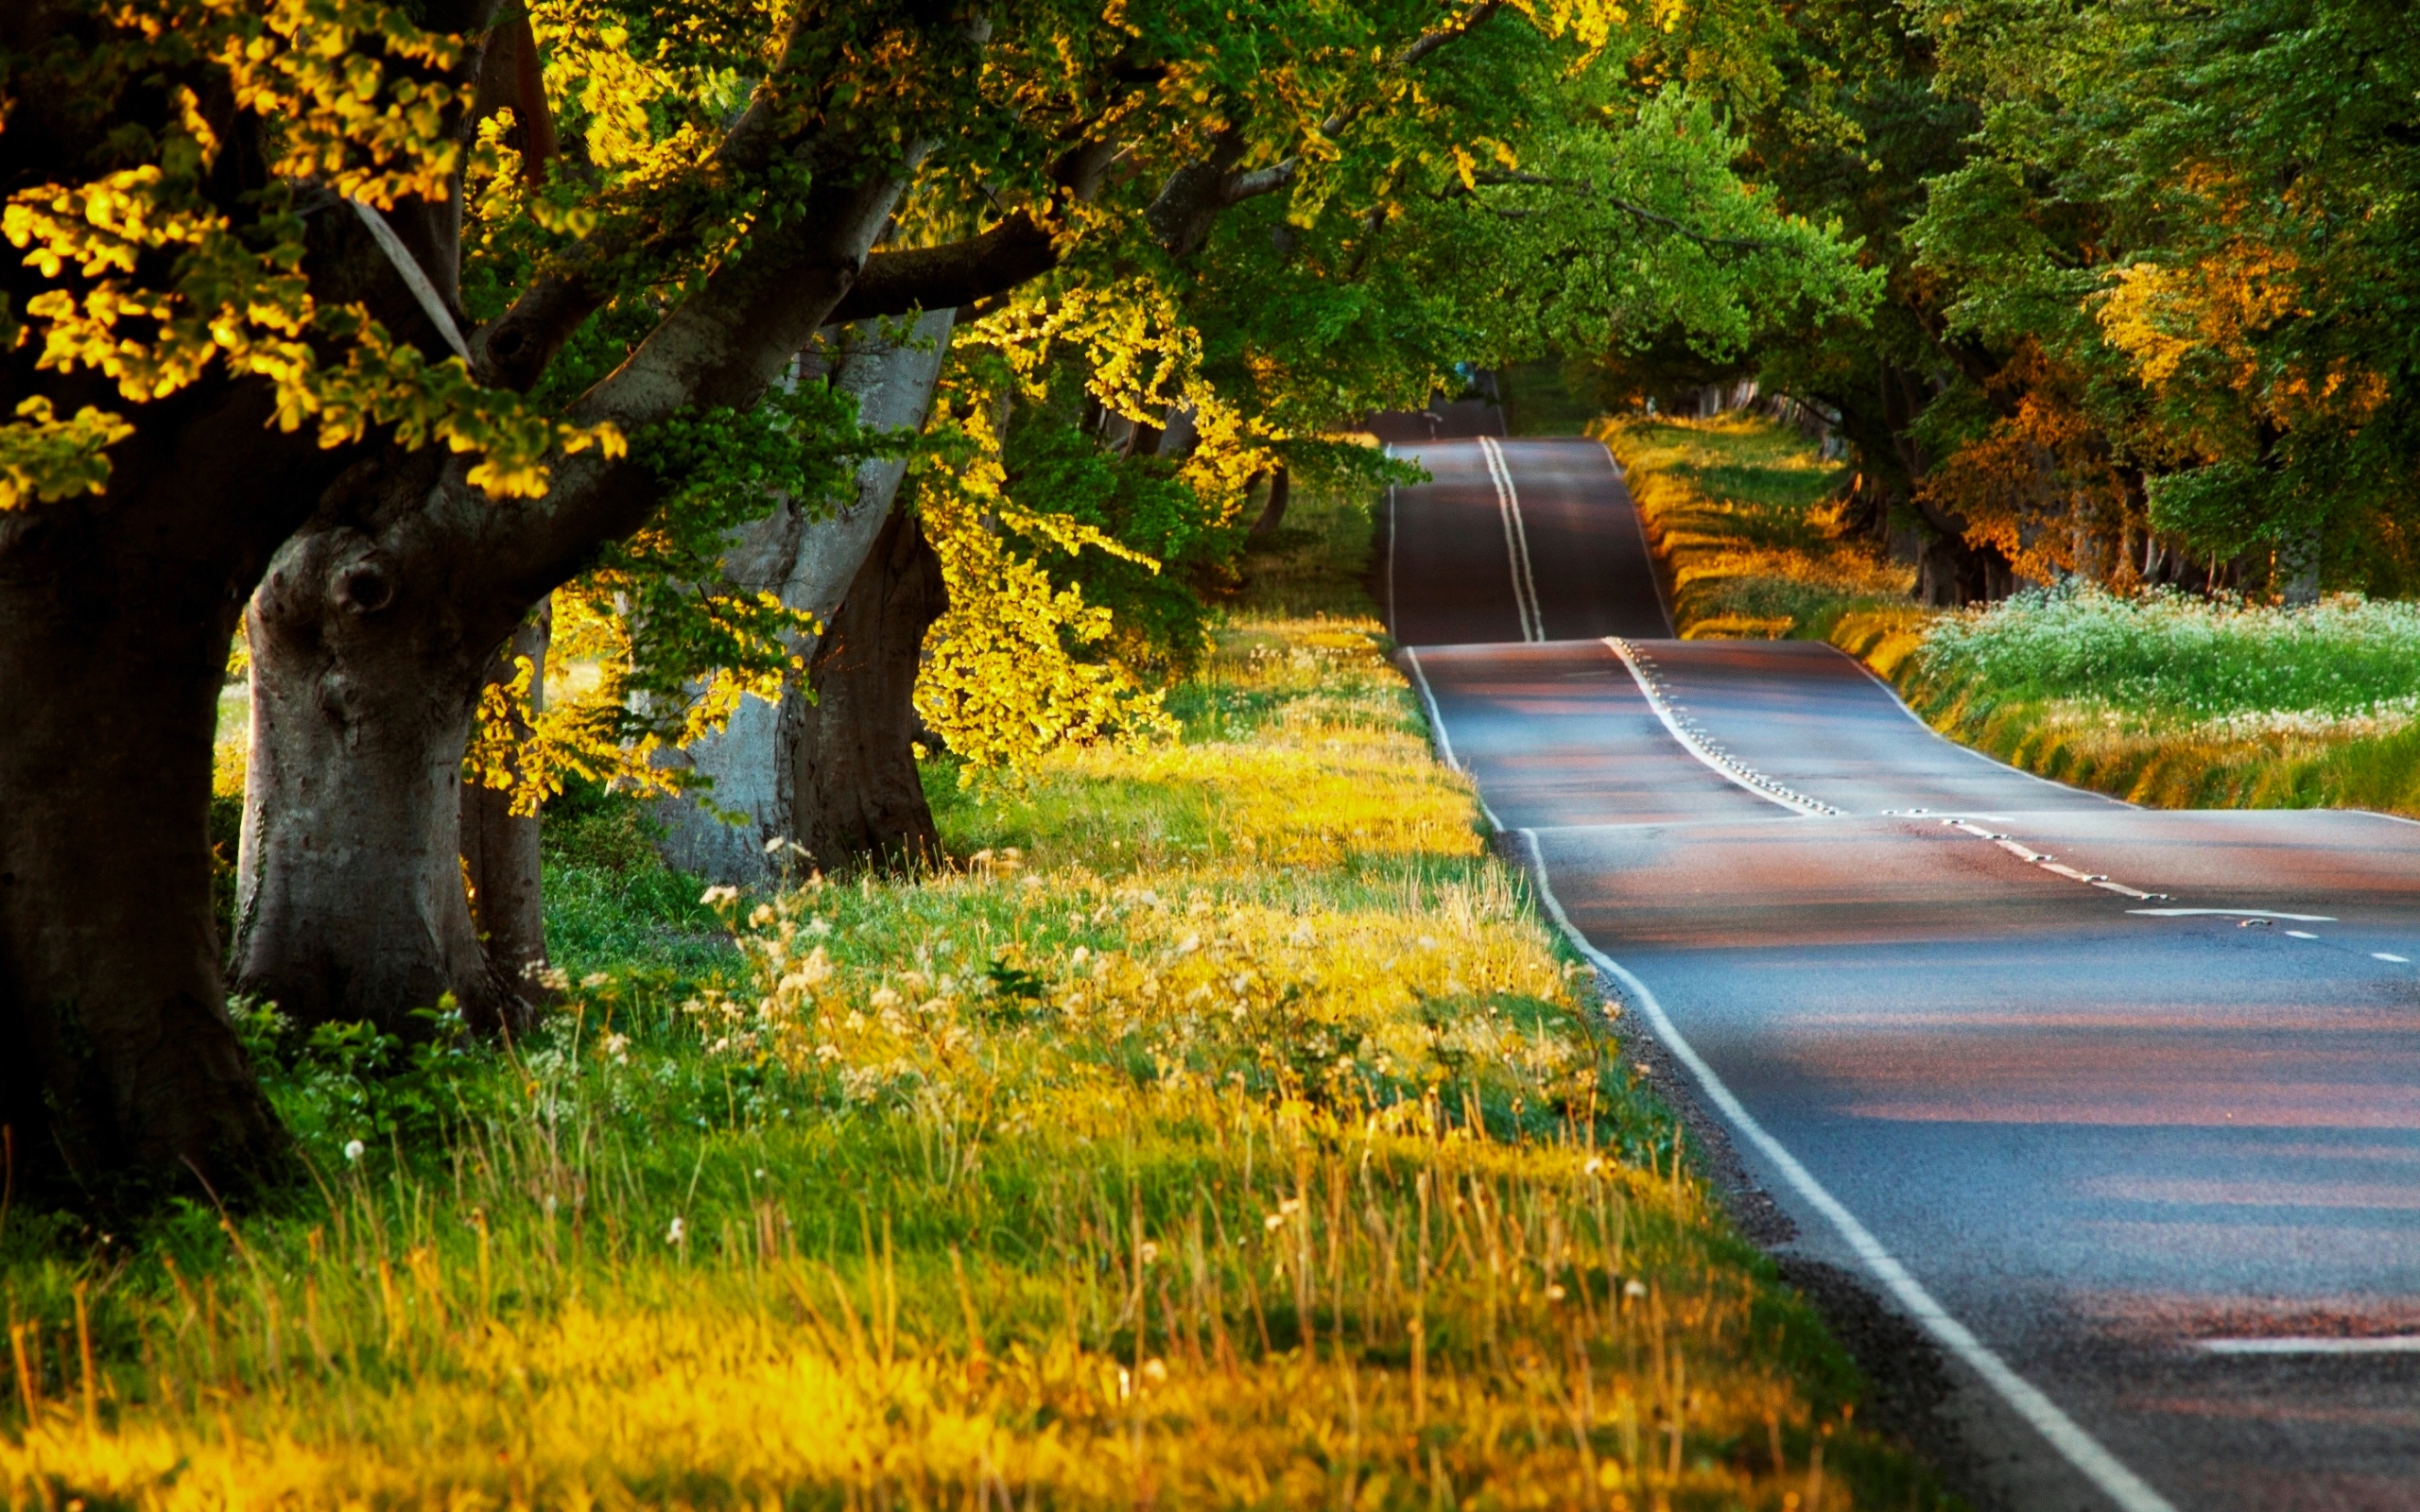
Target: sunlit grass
{"x":1741,"y":515}
{"x":1221,"y":1129}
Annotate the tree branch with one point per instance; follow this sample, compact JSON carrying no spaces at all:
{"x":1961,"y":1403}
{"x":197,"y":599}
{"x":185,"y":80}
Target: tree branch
{"x":952,"y":275}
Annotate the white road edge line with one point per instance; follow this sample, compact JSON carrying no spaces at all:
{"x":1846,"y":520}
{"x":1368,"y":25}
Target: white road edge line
{"x":1516,"y":540}
{"x":1445,"y":741}
{"x":1393,"y":625}
{"x":2078,"y":1447}
{"x":1753,"y":782}
{"x":2387,"y":1344}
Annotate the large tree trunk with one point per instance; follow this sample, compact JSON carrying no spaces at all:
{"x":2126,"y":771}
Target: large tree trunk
{"x":812,"y":563}
{"x":351,"y":898}
{"x":116,"y":1055}
{"x":859,"y":796}
{"x":119,"y":1068}
{"x":500,"y":858}
{"x":374,"y":633}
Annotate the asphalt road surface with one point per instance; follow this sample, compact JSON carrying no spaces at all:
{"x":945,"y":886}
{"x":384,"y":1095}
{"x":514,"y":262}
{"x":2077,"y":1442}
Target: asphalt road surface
{"x":2120,"y":1106}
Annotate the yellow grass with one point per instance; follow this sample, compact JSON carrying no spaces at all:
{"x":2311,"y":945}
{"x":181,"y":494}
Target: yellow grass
{"x":1225,"y":1131}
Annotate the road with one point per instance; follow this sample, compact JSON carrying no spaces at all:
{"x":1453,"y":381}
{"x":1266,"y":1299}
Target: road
{"x":2120,"y":1106}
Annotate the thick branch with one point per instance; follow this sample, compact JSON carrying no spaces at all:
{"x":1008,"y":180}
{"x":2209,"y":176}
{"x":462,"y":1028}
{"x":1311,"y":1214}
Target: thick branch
{"x":952,"y":275}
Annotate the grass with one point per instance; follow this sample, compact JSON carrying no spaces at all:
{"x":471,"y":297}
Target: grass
{"x":2179,"y":702}
{"x":2166,"y":701}
{"x":1223,"y":1130}
{"x":1741,"y":516}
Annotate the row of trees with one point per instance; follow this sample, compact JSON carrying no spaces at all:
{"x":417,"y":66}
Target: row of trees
{"x":922,"y":351}
{"x":2151,"y":268}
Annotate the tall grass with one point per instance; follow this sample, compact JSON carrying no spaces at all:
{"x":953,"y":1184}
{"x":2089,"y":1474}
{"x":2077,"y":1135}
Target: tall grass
{"x":2170,"y":657}
{"x":2178,"y":701}
{"x":1221,"y":1130}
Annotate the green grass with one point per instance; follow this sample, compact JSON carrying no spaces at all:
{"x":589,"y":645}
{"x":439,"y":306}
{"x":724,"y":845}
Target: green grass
{"x":1742,"y":516}
{"x":2179,"y":702}
{"x":1222,"y":1128}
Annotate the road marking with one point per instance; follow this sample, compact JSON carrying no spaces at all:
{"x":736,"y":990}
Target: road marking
{"x":1445,"y":741}
{"x":2302,"y":934}
{"x":2389,"y":956}
{"x":1732,"y":770}
{"x":2048,"y":862}
{"x":1393,"y":625}
{"x":2237,"y":913}
{"x":2076,"y":1447}
{"x":1516,"y":540}
{"x":2388,"y":1344}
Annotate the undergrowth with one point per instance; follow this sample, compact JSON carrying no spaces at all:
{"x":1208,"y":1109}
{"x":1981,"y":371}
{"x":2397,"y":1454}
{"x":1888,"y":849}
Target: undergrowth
{"x":1219,"y":1129}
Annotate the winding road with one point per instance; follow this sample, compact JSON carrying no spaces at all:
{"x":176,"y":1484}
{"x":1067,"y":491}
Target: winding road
{"x":2119,"y":1106}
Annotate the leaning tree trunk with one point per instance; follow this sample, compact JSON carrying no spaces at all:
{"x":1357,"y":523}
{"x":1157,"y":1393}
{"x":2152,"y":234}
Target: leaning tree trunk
{"x":812,"y":563}
{"x":851,"y":751}
{"x":501,"y":864}
{"x":351,"y":900}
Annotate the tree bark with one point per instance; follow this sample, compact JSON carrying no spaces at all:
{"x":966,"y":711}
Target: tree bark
{"x":119,"y":1068}
{"x":860,"y":801}
{"x":350,"y":902}
{"x":811,"y":563}
{"x":1272,"y":513}
{"x":501,"y":863}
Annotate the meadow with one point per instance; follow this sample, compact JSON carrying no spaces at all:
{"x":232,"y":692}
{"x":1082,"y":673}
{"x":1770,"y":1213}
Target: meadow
{"x":1220,"y":1128}
{"x":2163,"y":699}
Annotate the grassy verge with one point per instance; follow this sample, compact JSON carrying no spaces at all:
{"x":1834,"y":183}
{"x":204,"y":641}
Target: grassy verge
{"x":1740,"y":516}
{"x":2164,"y":701}
{"x":1224,"y":1131}
{"x":2184,"y":703}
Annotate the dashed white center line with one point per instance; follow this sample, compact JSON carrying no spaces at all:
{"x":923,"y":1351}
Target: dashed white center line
{"x":2302,"y":934}
{"x":2382,"y":1344}
{"x":2388,"y":956}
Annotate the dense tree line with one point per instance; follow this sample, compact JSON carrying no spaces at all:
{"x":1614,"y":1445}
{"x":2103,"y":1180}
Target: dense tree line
{"x":923,"y":358}
{"x":2150,"y":272}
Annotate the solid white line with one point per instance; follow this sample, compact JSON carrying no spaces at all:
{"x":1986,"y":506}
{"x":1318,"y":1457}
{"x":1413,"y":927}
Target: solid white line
{"x":1437,"y":728}
{"x":2388,"y":1344}
{"x":1516,"y":540}
{"x":2078,"y":1447}
{"x":2234,"y":913}
{"x":1747,"y":777}
{"x":1987,"y":757}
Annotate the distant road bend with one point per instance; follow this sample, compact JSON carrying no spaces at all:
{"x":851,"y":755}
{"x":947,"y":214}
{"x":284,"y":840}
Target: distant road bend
{"x":2120,"y":1106}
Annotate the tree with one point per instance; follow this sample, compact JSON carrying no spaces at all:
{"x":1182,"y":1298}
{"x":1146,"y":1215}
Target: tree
{"x":206,"y":330}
